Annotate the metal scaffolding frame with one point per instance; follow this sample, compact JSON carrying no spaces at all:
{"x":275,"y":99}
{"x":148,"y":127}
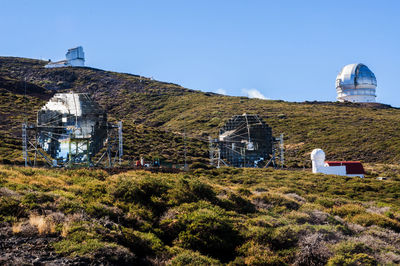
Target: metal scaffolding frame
{"x":215,"y":153}
{"x":113,"y":148}
{"x":276,"y":142}
{"x":30,"y":145}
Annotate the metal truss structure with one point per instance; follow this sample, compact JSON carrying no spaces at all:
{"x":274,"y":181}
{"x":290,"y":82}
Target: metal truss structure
{"x":79,"y":148}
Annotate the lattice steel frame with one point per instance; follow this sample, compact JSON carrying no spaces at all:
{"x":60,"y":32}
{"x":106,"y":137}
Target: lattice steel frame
{"x":114,"y":148}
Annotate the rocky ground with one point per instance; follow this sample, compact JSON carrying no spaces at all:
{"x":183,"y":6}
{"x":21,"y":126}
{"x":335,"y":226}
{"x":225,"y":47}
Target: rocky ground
{"x":18,"y":249}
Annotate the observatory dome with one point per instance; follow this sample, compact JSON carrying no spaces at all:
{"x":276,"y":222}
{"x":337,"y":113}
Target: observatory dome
{"x":356,"y":83}
{"x":318,"y":156}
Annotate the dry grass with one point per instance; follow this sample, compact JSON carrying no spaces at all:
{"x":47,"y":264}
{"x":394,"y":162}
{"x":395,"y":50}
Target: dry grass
{"x":16,"y":228}
{"x":44,"y":226}
{"x":65,"y":229}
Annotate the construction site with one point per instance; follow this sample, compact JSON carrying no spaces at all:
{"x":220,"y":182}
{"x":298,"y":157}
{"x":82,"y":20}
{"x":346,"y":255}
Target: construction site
{"x":72,"y":130}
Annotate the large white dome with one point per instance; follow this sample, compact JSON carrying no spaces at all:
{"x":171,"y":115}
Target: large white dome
{"x":356,"y":83}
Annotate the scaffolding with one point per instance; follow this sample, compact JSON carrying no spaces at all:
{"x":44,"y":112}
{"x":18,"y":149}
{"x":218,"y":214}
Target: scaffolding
{"x":277,"y":148}
{"x":114,"y":147}
{"x":215,"y":153}
{"x":79,"y":148}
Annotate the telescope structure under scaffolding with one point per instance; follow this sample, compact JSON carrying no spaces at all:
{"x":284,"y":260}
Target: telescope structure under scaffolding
{"x":244,"y":141}
{"x":72,"y":130}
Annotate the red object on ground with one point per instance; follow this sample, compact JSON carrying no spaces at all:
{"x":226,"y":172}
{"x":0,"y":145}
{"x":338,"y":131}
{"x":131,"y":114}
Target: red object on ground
{"x":352,"y":167}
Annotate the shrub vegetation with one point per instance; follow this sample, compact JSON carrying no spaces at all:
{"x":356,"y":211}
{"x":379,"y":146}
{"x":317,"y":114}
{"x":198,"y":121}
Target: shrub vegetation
{"x":205,"y":217}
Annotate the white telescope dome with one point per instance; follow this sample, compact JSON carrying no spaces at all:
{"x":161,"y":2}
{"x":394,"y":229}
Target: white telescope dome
{"x":318,"y":155}
{"x":356,"y":83}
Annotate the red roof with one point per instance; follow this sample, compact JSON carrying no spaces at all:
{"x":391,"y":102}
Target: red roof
{"x":352,"y":167}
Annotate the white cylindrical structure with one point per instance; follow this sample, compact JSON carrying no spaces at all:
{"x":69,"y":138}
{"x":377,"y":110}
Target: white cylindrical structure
{"x":317,"y":159}
{"x":356,"y":83}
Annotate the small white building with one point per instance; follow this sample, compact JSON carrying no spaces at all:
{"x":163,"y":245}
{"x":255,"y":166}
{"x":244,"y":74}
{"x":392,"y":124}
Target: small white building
{"x":344,"y":168}
{"x":356,"y":83}
{"x":75,"y":57}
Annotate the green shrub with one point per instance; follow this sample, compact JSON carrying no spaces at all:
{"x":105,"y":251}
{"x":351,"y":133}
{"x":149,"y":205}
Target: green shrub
{"x":199,"y":165}
{"x":81,"y":238}
{"x":10,"y":207}
{"x":244,"y":191}
{"x":193,"y":258}
{"x":368,"y":219}
{"x":93,"y":190}
{"x":74,"y":248}
{"x":33,"y":200}
{"x":352,"y":248}
{"x":352,"y":260}
{"x":257,"y":254}
{"x":138,"y":189}
{"x":27,"y":171}
{"x":279,"y":202}
{"x":259,"y":234}
{"x":69,"y":206}
{"x":325,"y":202}
{"x":141,"y":243}
{"x":284,"y":237}
{"x":187,"y":190}
{"x":298,"y":217}
{"x":83,"y":174}
{"x":203,"y":227}
{"x":3,"y":177}
{"x":344,"y":229}
{"x":98,"y":210}
{"x":237,"y":203}
{"x":146,"y":190}
{"x":347,"y":210}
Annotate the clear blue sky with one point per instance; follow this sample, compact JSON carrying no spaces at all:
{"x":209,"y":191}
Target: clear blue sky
{"x":289,"y":50}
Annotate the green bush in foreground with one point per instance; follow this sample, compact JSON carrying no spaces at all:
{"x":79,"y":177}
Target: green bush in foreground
{"x":193,"y":258}
{"x":348,"y":210}
{"x":352,"y":260}
{"x":203,"y":227}
{"x":73,"y":248}
{"x":232,"y":216}
{"x":142,"y":243}
{"x":368,"y":219}
{"x":257,"y":254}
{"x":352,"y":248}
{"x":188,"y":190}
{"x":10,"y":207}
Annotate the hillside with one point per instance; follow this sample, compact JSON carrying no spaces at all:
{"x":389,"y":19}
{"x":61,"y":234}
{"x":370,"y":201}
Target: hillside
{"x":370,"y":133}
{"x":204,"y":217}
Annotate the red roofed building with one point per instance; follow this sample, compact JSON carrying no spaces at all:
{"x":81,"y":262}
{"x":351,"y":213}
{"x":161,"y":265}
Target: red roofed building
{"x":344,"y":168}
{"x":353,"y":168}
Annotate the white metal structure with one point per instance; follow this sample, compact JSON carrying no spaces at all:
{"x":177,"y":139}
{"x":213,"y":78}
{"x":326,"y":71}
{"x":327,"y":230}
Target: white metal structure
{"x":356,"y":83}
{"x":318,"y":164}
{"x":344,"y":168}
{"x":75,"y":57}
